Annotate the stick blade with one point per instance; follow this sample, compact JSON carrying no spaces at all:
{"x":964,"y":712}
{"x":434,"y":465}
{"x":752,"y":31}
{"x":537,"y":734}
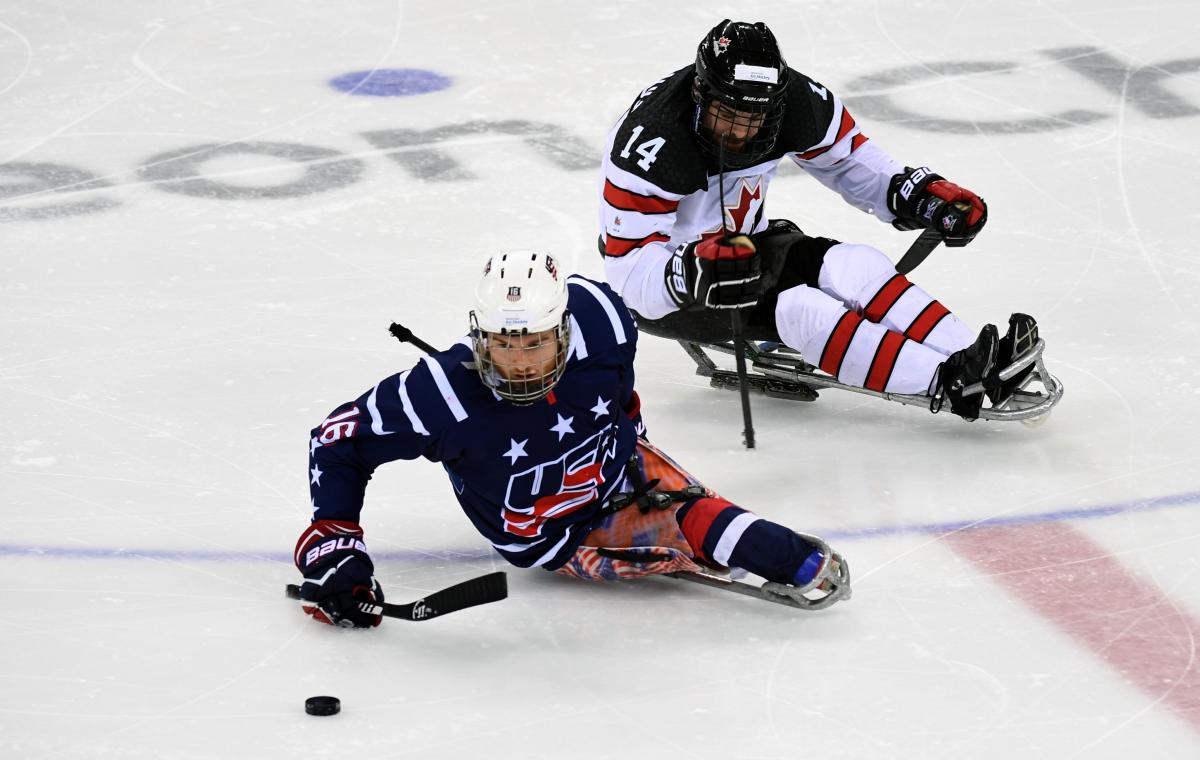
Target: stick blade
{"x":918,"y":251}
{"x":470,"y":593}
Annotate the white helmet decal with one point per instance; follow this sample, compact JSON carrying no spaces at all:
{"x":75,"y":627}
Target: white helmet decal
{"x":521,"y":293}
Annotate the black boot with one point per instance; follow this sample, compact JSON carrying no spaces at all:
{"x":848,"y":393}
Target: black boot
{"x":966,"y":367}
{"x":1020,"y":339}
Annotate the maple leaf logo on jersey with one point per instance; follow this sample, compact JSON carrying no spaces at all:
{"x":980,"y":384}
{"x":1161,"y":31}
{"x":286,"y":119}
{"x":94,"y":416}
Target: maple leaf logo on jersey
{"x":747,"y":199}
{"x":721,"y":45}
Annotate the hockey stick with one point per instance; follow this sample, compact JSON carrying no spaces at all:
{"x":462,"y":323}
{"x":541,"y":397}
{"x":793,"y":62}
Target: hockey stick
{"x":739,"y":358}
{"x":482,"y":590}
{"x":405,"y":335}
{"x":923,"y":245}
{"x":735,"y":321}
{"x":918,"y":251}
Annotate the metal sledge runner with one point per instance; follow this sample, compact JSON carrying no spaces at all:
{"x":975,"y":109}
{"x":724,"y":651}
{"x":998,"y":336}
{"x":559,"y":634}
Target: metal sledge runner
{"x":781,"y":372}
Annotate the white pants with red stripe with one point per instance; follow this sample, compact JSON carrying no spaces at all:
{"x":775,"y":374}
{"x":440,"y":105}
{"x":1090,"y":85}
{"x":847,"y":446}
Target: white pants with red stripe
{"x":867,"y":325}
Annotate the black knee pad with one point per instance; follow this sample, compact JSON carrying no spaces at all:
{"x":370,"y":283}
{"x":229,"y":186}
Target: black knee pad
{"x":804,"y":261}
{"x":789,"y":257}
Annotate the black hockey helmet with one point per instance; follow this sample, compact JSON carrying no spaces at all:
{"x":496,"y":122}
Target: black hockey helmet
{"x":739,"y":69}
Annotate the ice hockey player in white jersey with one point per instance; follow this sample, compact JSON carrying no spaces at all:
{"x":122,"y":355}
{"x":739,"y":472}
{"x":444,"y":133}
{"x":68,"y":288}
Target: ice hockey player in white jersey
{"x":535,"y":419}
{"x":680,"y":255}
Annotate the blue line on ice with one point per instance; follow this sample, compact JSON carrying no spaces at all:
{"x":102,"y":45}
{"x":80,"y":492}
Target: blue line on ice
{"x":442,"y":555}
{"x":1081,"y":513}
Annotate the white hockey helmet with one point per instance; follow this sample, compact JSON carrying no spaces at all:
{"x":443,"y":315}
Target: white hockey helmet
{"x":521,"y":293}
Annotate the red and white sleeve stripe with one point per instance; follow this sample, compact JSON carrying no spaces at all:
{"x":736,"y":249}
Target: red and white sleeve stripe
{"x":634,"y":213}
{"x":842,"y":138}
{"x":637,"y":219}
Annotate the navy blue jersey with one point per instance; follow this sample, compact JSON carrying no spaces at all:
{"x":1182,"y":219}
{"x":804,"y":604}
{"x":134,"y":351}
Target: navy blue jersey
{"x":532,"y":479}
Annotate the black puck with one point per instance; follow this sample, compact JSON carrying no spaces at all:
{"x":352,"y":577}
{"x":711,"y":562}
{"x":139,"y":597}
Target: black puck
{"x":322,"y":705}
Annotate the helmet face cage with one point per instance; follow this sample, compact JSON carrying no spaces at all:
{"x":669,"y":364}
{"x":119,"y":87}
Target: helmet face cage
{"x":523,"y":391}
{"x":740,"y":86}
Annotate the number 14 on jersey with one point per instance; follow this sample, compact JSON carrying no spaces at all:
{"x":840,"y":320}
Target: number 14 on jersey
{"x":648,"y":150}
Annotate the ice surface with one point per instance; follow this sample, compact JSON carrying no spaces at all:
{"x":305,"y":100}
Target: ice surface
{"x":168,"y":342}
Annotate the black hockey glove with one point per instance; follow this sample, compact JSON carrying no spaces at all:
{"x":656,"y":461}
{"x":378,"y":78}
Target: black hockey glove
{"x":715,"y":273}
{"x":339,"y":583}
{"x":921,"y":199}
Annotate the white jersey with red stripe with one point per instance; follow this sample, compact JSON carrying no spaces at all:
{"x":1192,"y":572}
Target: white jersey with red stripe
{"x":661,"y":190}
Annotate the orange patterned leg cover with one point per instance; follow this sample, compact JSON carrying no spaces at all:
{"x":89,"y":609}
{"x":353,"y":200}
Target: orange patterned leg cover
{"x":655,"y":535}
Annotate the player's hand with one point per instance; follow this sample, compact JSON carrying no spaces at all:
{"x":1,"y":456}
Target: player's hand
{"x":339,"y":583}
{"x":715,"y":273}
{"x":921,"y":199}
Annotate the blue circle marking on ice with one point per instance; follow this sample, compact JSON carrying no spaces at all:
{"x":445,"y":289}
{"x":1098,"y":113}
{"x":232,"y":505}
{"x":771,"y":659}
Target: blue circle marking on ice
{"x":390,"y":82}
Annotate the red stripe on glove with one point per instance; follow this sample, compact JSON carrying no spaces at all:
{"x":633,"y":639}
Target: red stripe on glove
{"x":321,"y":529}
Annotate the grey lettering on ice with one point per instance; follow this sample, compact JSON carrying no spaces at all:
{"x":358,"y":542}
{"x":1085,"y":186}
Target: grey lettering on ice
{"x":180,"y":170}
{"x":883,"y":106}
{"x":28,"y":181}
{"x":1138,"y":85}
{"x":39,"y":190}
{"x":412,"y":148}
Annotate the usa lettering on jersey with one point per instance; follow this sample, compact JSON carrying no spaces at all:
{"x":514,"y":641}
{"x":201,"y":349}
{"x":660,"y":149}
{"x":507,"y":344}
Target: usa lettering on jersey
{"x":576,"y":477}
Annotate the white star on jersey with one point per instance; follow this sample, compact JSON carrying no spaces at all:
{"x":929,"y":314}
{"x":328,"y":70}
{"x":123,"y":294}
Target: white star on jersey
{"x":516,"y":450}
{"x":601,"y":407}
{"x":313,"y":445}
{"x":564,"y":426}
{"x":316,"y":475}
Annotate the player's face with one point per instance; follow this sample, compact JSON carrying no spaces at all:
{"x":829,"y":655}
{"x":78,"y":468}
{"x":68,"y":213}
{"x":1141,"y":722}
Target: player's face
{"x":733,"y":127}
{"x":523,"y":358}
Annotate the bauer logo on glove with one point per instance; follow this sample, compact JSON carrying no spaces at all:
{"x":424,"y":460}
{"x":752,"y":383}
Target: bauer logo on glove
{"x":339,"y":583}
{"x":921,"y":199}
{"x":328,"y":547}
{"x":715,"y":273}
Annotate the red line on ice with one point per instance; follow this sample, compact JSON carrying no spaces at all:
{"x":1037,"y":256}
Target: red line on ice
{"x":1085,"y":592}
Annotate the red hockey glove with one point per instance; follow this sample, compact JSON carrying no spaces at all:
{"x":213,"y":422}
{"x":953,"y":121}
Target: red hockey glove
{"x":339,"y":584}
{"x":921,"y":199}
{"x":715,"y":273}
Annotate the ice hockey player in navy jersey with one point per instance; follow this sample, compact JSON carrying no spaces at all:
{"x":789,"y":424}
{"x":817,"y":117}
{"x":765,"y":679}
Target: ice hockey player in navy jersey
{"x":535,"y":419}
{"x":679,"y":255}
